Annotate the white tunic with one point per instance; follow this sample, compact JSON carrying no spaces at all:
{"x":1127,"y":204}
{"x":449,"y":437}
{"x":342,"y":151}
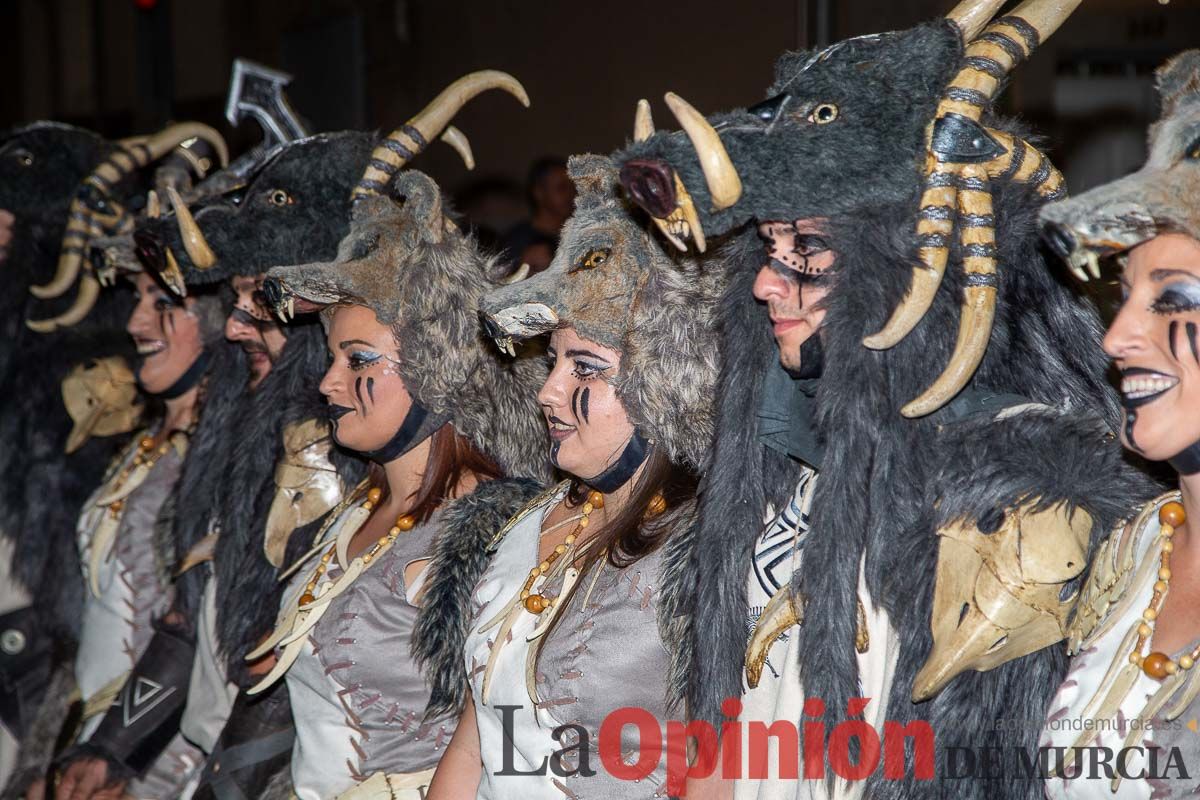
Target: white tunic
{"x":1065,"y":721}
{"x":778,"y":553}
{"x":605,"y":653}
{"x":210,"y":692}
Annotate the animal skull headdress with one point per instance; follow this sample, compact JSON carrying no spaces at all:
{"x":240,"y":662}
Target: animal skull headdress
{"x":407,"y":261}
{"x":1161,"y":195}
{"x":95,"y":213}
{"x":958,"y":160}
{"x":612,"y":282}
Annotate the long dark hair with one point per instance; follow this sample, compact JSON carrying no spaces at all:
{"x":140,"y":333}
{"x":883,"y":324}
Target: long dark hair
{"x":452,"y":457}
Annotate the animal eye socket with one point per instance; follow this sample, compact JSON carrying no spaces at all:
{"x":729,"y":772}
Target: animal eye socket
{"x":597,"y":257}
{"x":279,"y":197}
{"x":823,"y":114}
{"x":25,"y":157}
{"x":1193,"y":151}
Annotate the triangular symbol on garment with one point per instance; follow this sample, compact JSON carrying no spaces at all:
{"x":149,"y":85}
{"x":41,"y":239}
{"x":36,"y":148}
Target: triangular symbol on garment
{"x":1193,"y":726}
{"x":143,"y":697}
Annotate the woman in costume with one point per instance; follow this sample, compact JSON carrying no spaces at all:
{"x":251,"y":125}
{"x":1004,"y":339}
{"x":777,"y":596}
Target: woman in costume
{"x":1133,"y":682}
{"x":413,"y":387}
{"x":580,"y":605}
{"x":128,"y":586}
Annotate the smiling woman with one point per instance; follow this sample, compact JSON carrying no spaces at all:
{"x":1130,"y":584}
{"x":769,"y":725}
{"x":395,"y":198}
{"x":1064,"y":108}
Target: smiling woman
{"x":1134,"y":681}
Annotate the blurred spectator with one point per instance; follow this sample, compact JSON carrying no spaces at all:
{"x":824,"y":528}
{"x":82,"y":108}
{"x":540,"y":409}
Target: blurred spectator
{"x":491,"y":206}
{"x":551,"y":199}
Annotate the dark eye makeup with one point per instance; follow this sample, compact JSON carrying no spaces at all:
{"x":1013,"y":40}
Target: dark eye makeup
{"x":1177,"y":298}
{"x":361,"y":359}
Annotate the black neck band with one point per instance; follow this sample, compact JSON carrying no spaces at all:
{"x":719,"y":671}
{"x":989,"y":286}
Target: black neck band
{"x":622,"y":469}
{"x":1187,"y":461}
{"x":187,"y":381}
{"x":404,"y":438}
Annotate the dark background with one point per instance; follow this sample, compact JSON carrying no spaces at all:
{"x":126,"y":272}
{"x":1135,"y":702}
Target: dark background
{"x":124,"y":67}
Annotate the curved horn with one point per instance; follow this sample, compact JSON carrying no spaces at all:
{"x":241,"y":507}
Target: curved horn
{"x":171,"y":137}
{"x":89,"y":292}
{"x":404,"y":143}
{"x":458,"y":140}
{"x":972,"y":15}
{"x":974,"y":330}
{"x":153,"y":205}
{"x":979,"y":299}
{"x":724,"y":185}
{"x":934,"y":228}
{"x":643,"y":123}
{"x":194,"y":243}
{"x":80,"y":229}
{"x":516,"y":276}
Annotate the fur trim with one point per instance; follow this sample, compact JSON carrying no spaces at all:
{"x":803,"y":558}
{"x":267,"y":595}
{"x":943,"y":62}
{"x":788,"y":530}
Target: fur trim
{"x":37,"y":747}
{"x":460,"y":555}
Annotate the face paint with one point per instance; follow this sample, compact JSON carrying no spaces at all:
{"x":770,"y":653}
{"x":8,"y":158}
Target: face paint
{"x":590,"y":433}
{"x":362,"y":407}
{"x":251,"y":326}
{"x":1155,"y":344}
{"x":372,"y":410}
{"x":168,"y":339}
{"x":793,"y":283}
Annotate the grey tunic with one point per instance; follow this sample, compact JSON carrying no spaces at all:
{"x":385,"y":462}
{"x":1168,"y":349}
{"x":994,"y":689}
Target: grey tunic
{"x":357,"y":695}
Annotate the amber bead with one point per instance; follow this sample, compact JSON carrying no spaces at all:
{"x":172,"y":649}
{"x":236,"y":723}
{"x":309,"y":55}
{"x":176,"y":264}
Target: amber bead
{"x":535,"y":604}
{"x":147,"y":442}
{"x":375,"y":494}
{"x":657,"y":506}
{"x":1172,"y":514}
{"x":406,"y":522}
{"x":1155,"y":665}
{"x":306,"y":598}
{"x":596,"y":499}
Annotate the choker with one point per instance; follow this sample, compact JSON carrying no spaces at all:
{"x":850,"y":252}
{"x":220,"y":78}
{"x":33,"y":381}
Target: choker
{"x":1186,"y":461}
{"x":812,"y":359}
{"x":412,"y":432}
{"x":186,"y":382}
{"x":622,"y":470}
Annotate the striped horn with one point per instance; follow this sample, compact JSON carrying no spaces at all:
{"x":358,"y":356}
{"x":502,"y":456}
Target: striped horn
{"x":978,"y":232}
{"x":85,"y":301}
{"x":80,"y":229}
{"x":404,"y":143}
{"x":971,"y":15}
{"x":988,"y":59}
{"x":129,"y":156}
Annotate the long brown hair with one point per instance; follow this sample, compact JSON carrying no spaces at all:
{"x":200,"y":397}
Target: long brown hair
{"x":452,"y":458}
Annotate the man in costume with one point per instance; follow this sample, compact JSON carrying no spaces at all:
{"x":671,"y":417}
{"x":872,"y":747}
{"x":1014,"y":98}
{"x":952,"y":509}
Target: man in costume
{"x":962,"y":482}
{"x":59,"y":186}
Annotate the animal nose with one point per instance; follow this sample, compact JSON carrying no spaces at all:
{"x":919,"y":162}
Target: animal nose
{"x":651,"y":184}
{"x":1059,"y":238}
{"x":490,"y":326}
{"x":272,"y":292}
{"x":149,"y":251}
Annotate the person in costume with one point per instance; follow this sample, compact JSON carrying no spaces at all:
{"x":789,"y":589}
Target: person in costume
{"x":964,"y":438}
{"x":588,"y":586}
{"x":59,"y":186}
{"x":256,"y":418}
{"x":1133,"y":682}
{"x":450,"y":431}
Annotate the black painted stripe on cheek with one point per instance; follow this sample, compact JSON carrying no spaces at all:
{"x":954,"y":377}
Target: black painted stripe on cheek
{"x":554,"y":453}
{"x":1191,"y":334}
{"x":1172,"y":329}
{"x":583,"y":403}
{"x":362,"y":408}
{"x":371,"y":390}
